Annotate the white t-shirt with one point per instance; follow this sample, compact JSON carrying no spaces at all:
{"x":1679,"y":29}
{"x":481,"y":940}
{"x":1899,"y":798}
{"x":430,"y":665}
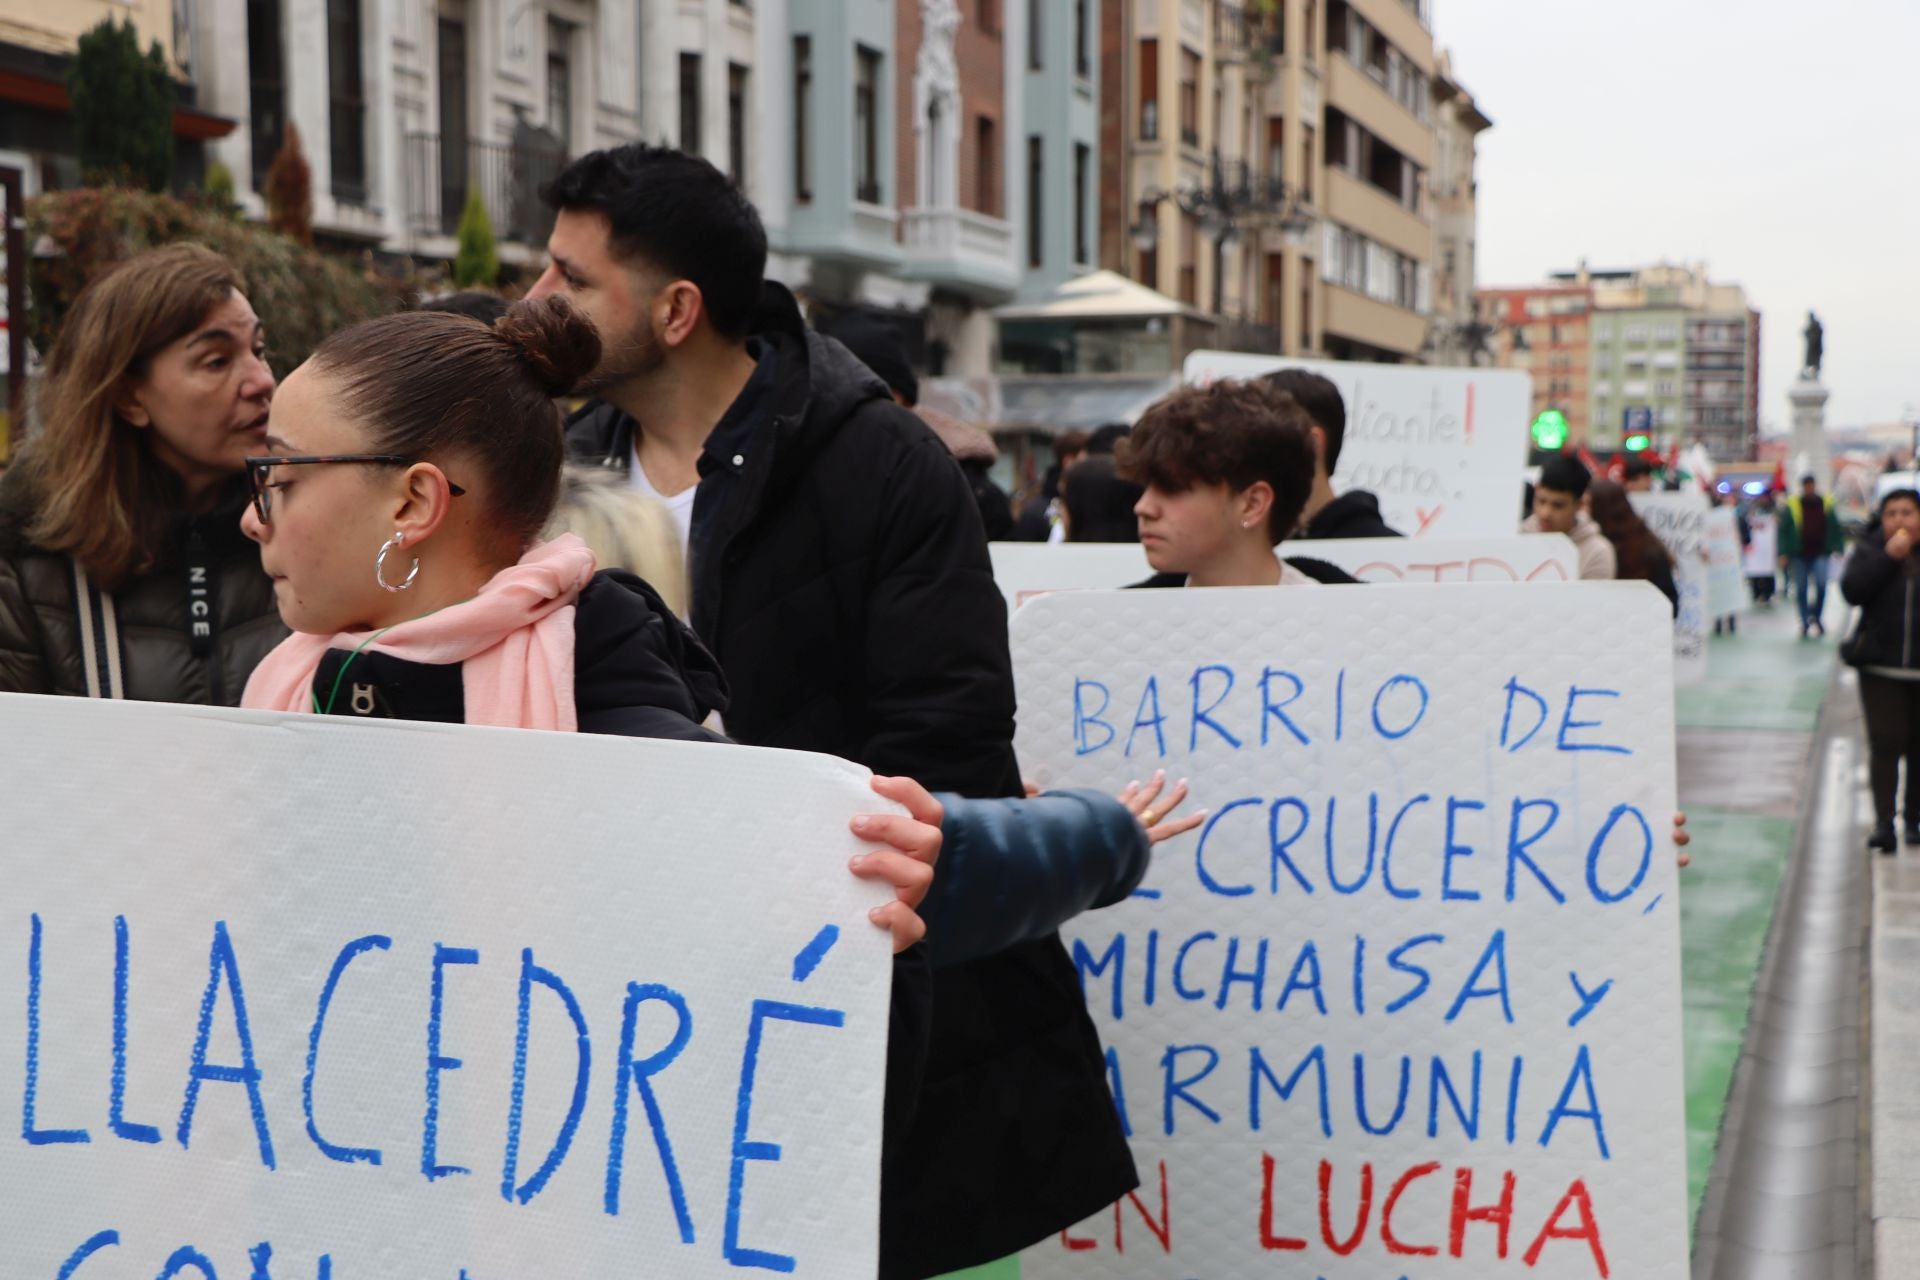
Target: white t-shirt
{"x":679,"y":506}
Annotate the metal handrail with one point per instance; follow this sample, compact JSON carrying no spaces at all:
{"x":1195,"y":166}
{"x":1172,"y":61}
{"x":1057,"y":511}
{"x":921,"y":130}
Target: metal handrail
{"x":508,"y":178}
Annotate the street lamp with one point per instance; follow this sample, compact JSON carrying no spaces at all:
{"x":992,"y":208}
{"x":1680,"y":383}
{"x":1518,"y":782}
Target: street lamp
{"x":1473,"y":337}
{"x":1232,"y":200}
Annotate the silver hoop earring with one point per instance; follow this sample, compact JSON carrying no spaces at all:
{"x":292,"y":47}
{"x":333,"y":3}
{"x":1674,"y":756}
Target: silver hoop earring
{"x":380,"y":565}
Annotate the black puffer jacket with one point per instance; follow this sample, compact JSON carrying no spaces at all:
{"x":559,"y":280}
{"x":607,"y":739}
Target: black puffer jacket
{"x":41,"y":613}
{"x":840,"y":575}
{"x":1353,"y":514}
{"x":1888,"y":594}
{"x":1331,"y":575}
{"x":839,"y":572}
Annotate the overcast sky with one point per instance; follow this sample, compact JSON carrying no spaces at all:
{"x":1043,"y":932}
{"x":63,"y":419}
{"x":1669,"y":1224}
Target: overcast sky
{"x":1777,"y":140}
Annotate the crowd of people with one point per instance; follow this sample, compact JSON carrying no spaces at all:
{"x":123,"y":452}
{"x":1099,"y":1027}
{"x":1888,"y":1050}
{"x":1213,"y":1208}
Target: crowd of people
{"x":746,"y":532}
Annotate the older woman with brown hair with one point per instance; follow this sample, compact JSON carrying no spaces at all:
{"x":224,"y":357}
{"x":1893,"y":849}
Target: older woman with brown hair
{"x":123,"y":570}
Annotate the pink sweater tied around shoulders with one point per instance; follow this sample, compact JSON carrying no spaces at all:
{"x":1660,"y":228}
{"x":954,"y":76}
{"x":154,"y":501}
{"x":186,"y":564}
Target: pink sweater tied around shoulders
{"x":513,"y":641}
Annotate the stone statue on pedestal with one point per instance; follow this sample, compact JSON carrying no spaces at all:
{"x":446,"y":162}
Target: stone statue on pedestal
{"x":1816,"y":348}
{"x":1809,"y":401}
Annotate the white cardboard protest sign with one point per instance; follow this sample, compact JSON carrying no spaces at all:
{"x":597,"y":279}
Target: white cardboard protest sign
{"x":278,"y":983}
{"x":1726,"y":574}
{"x":1427,"y":941}
{"x":1445,"y":450}
{"x":1028,"y":569}
{"x":1680,"y":521}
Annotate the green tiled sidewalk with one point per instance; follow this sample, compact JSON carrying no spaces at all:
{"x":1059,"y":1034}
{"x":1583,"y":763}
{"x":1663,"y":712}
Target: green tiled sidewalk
{"x":1005,"y":1269}
{"x":1725,"y":911}
{"x":1764,"y":679}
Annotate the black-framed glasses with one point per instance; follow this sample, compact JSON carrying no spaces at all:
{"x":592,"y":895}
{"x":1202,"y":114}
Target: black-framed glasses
{"x":260,"y":473}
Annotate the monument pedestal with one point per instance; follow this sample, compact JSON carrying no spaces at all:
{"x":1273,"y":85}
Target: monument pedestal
{"x":1807,"y":452}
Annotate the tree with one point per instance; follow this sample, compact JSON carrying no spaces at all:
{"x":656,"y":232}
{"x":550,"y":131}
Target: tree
{"x":475,"y":261}
{"x":122,"y":108}
{"x":289,"y":190}
{"x":218,"y":190}
{"x":303,"y":293}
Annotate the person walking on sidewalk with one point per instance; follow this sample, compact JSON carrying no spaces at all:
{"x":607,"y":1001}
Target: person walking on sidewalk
{"x":1760,"y":559}
{"x":1810,"y":534}
{"x":1559,"y":507}
{"x":1883,"y":579}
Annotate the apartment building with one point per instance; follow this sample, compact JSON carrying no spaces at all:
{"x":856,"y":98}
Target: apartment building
{"x":970,"y":176}
{"x":1676,"y":357}
{"x":926,"y":160}
{"x":1454,"y":337}
{"x":404,"y":107}
{"x":1190,"y":110}
{"x":1546,"y":330}
{"x":1311,"y":124}
{"x":1378,"y":147}
{"x":37,"y":43}
{"x":1659,"y":351}
{"x":1060,"y":151}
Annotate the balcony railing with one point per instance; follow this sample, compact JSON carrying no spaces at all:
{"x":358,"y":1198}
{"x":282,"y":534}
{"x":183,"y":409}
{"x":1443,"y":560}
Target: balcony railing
{"x":969,"y":250}
{"x":958,"y":232}
{"x":508,"y":178}
{"x":1230,"y":42}
{"x":1248,"y":336}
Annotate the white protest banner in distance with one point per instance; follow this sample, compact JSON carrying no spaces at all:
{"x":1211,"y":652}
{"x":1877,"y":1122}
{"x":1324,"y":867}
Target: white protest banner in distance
{"x":1445,"y":450}
{"x":1726,"y":576}
{"x":1516,"y":557}
{"x":1680,"y":522}
{"x":299,"y":996}
{"x":1409,"y":1002}
{"x":1028,"y":569}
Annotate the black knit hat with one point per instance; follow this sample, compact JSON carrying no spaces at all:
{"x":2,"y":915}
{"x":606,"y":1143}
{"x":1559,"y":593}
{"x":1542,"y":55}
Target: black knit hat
{"x":880,"y":349}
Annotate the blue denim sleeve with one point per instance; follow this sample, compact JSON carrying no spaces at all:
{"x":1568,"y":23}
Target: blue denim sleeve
{"x":1013,"y":871}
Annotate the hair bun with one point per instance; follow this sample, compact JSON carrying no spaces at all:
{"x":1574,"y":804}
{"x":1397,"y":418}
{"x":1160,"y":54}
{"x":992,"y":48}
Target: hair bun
{"x":556,"y":344}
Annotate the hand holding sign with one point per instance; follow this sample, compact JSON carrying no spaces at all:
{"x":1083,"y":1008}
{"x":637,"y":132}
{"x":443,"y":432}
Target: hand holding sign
{"x":1144,"y":803}
{"x":908,"y":864}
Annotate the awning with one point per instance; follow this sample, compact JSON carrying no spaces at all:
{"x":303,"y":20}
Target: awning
{"x":1099,"y":295}
{"x":1046,"y":404}
{"x":51,"y":95}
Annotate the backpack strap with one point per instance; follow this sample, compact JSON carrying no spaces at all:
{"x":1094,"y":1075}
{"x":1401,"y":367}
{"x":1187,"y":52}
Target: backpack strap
{"x":99,"y":636}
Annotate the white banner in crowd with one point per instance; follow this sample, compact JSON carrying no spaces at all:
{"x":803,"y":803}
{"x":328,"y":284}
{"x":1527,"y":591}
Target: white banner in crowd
{"x":1726,"y":574}
{"x":1409,"y":1002}
{"x":1445,"y":450}
{"x":1680,"y":521}
{"x":1028,"y":569}
{"x":298,"y":996}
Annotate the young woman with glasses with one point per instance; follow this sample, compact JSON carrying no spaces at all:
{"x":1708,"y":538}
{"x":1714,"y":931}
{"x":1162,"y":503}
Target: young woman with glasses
{"x":398,"y":502}
{"x":123,"y":572}
{"x":409,"y":469}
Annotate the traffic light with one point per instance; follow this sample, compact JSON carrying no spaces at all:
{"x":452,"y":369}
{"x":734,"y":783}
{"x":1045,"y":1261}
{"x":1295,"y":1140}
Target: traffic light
{"x":1550,"y":430}
{"x":1637,"y":444}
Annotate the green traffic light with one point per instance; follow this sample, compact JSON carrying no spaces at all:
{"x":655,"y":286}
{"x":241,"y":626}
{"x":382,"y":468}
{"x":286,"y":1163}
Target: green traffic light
{"x":1550,"y":430}
{"x":1638,"y":444}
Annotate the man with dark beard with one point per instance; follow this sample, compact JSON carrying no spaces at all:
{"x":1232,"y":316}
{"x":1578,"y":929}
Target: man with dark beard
{"x":840,"y":574}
